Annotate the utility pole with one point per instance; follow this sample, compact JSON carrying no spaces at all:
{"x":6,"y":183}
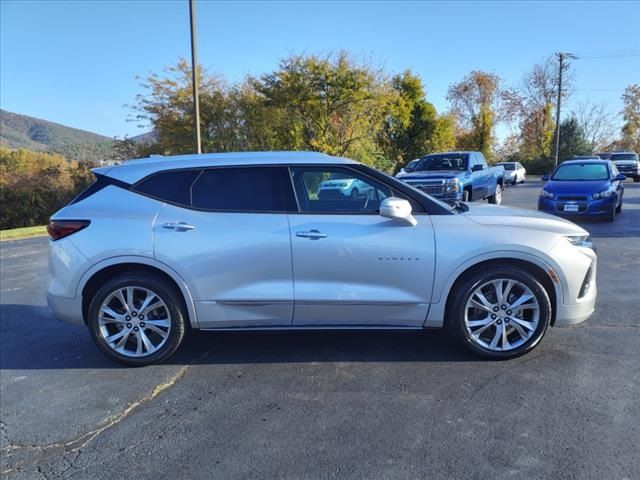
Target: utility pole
{"x":561,"y":57}
{"x":194,"y":74}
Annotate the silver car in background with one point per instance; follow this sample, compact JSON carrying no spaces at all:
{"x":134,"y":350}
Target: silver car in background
{"x":245,"y":241}
{"x":514,"y":172}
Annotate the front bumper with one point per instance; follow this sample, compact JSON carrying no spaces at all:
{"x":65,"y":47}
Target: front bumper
{"x":579,"y":267}
{"x":586,"y":208}
{"x":629,"y":172}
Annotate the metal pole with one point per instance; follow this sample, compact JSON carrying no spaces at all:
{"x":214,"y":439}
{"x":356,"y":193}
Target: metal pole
{"x":194,"y":74}
{"x":557,"y":139}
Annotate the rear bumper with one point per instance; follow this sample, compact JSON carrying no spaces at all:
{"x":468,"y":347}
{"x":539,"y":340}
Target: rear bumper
{"x":66,"y":309}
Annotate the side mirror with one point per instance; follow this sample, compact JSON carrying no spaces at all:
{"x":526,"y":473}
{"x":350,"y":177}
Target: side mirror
{"x":477,"y":168}
{"x":620,"y":177}
{"x":544,"y":178}
{"x":397,"y":208}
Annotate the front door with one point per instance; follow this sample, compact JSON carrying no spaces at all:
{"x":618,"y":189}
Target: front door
{"x":231,"y":245}
{"x":351,"y":266}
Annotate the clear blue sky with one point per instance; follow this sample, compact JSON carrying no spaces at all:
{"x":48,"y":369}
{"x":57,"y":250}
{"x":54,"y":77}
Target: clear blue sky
{"x":76,"y":62}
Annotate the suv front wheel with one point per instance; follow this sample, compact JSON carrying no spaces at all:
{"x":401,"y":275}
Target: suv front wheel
{"x":137,"y":319}
{"x":500,"y":313}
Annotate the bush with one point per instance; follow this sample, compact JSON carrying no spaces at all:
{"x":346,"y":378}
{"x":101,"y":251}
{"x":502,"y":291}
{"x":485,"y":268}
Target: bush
{"x":33,"y":185}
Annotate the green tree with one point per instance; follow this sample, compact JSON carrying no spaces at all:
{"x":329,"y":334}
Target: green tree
{"x":410,"y":122}
{"x":572,"y":140}
{"x":329,"y":104}
{"x":477,"y":102}
{"x":168,"y":106}
{"x":123,"y":149}
{"x":631,"y":116}
{"x":412,"y":127}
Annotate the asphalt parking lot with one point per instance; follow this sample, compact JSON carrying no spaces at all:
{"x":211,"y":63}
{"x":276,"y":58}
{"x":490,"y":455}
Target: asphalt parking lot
{"x":327,"y":405}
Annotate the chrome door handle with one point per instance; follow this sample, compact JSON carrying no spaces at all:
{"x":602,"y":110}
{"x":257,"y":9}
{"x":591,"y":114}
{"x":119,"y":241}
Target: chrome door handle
{"x":312,"y":234}
{"x":178,"y":226}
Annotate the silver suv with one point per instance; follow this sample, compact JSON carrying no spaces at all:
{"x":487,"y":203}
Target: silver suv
{"x":244,"y":241}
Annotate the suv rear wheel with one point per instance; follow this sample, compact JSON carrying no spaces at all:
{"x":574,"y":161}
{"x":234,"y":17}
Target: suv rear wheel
{"x":500,"y":312}
{"x":137,"y":319}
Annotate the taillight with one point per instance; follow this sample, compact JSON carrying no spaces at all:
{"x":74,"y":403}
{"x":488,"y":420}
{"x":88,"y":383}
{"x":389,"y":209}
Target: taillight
{"x":63,"y":228}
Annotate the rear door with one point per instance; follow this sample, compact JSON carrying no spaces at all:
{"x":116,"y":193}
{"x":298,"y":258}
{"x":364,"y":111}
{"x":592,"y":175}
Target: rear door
{"x":351,"y":266}
{"x":227,"y":235}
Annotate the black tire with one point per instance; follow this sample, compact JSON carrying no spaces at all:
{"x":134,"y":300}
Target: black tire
{"x":466,"y":196}
{"x":619,"y":207}
{"x":355,"y":193}
{"x":611,"y":217}
{"x":167,"y":293}
{"x":636,"y":179}
{"x":514,"y":181}
{"x":455,"y":320}
{"x":496,"y":198}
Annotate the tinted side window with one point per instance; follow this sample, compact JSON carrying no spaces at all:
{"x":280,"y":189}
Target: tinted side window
{"x":337,"y":190}
{"x":250,"y":189}
{"x":170,"y":186}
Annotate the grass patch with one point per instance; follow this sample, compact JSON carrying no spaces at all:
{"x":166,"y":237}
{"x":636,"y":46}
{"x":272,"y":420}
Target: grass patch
{"x":25,"y":232}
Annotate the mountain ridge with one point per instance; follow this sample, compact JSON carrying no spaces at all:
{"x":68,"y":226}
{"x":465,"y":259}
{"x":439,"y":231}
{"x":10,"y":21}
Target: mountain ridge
{"x":31,"y":133}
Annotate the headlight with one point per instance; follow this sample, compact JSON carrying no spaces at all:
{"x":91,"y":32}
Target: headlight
{"x":545,"y":194}
{"x":580,"y":241}
{"x":604,"y":194}
{"x":452,"y":185}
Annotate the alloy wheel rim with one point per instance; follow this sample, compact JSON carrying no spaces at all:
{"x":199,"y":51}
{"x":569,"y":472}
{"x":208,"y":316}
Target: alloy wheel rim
{"x":134,"y":321}
{"x":501,"y":315}
{"x":498,"y":194}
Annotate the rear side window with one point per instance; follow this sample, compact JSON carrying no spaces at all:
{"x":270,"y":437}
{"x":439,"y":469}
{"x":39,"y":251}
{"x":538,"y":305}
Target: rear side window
{"x":171,"y":186}
{"x":101,"y":182}
{"x":249,"y":189}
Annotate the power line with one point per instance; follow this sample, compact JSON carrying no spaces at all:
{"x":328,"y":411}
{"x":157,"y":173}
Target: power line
{"x":611,"y":54}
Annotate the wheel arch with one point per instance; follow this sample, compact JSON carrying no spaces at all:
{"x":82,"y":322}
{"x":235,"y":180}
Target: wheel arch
{"x":539,"y":274}
{"x":540,"y":267}
{"x":95,"y":276}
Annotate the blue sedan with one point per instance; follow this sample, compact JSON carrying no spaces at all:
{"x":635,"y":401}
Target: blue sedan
{"x":583,"y":188}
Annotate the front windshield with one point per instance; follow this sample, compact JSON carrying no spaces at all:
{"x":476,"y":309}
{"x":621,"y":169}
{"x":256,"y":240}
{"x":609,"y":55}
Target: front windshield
{"x":443,"y":162}
{"x":581,"y":171}
{"x":624,"y":156}
{"x":508,"y":166}
{"x":410,"y":165}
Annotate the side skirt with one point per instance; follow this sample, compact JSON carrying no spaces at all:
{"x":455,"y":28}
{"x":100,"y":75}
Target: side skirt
{"x":312,"y":328}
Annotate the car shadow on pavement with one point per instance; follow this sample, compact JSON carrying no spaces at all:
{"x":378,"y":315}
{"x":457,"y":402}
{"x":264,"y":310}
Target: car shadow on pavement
{"x":31,"y":339}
